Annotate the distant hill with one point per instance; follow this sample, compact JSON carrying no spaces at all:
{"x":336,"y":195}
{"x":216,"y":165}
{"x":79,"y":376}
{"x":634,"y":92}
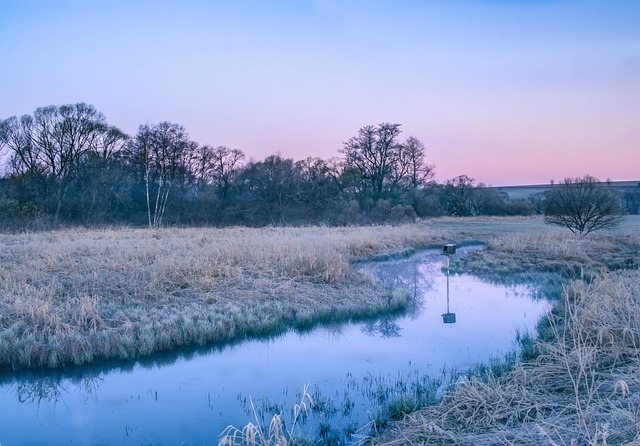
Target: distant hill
{"x":524,"y":192}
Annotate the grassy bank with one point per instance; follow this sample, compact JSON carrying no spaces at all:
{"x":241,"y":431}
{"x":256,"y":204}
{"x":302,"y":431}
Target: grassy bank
{"x":74,"y":297}
{"x":583,"y":384}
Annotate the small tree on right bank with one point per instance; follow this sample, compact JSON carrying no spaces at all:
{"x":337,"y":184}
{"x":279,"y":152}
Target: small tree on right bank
{"x":583,"y":205}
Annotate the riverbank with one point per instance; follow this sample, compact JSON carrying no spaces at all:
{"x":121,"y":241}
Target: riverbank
{"x":582,"y":384}
{"x":74,"y":297}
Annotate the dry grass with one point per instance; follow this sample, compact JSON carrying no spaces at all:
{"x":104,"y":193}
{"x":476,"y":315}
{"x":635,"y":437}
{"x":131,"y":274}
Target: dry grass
{"x":277,"y":434}
{"x":73,"y":297}
{"x":553,"y":251}
{"x":77,"y":296}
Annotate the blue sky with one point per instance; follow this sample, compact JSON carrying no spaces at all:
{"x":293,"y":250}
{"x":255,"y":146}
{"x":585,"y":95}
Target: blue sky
{"x":508,"y":92}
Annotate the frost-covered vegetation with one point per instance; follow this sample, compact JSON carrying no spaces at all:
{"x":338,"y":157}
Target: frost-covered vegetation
{"x":76,"y":296}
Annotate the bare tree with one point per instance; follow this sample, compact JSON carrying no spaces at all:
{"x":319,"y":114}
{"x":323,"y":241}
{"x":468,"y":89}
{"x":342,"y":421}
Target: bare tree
{"x":537,"y":202}
{"x":319,"y":186}
{"x":224,"y":168}
{"x":111,"y":143}
{"x":384,"y":164}
{"x":372,"y":155}
{"x":164,"y":152}
{"x":16,"y":135}
{"x":411,"y":165}
{"x":631,"y":200}
{"x":458,"y":196}
{"x":582,"y":205}
{"x":53,"y":143}
{"x":271,"y":188}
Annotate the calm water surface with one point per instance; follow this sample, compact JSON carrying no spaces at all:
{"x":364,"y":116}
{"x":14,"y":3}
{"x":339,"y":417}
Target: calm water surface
{"x":189,"y":399}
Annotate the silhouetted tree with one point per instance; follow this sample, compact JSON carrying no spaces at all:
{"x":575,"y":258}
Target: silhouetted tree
{"x":319,"y":189}
{"x":371,"y":155}
{"x":224,"y":169}
{"x":458,"y":196}
{"x":377,"y":165}
{"x":631,"y":200}
{"x":582,"y":205}
{"x":270,"y":189}
{"x":537,"y":202}
{"x":50,"y":146}
{"x":411,"y":166}
{"x":163,"y":152}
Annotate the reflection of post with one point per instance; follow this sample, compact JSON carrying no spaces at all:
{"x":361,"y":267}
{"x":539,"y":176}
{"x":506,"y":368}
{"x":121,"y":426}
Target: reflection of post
{"x":447,"y":284}
{"x":448,"y":317}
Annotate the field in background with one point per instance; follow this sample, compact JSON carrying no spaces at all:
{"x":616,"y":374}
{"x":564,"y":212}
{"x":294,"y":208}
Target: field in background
{"x":524,"y":192}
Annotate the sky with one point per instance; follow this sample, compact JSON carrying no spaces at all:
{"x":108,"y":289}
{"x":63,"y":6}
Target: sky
{"x":507,"y":92}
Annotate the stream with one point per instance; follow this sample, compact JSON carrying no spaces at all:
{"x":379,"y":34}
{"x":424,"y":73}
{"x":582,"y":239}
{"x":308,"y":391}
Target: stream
{"x":350,"y":370}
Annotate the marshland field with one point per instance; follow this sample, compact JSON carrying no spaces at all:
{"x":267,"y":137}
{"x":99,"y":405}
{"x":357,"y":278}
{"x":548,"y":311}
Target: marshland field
{"x":75,"y":297}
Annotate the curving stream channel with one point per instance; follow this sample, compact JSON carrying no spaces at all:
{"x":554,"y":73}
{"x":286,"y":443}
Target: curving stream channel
{"x":352,"y":369}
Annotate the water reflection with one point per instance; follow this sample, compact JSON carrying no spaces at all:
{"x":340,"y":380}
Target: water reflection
{"x":52,"y":390}
{"x":189,"y":397}
{"x":449,"y":250}
{"x":385,"y":327}
{"x":417,"y":276}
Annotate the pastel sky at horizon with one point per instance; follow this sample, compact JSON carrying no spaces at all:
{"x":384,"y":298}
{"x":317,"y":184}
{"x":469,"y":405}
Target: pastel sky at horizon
{"x":507,"y":92}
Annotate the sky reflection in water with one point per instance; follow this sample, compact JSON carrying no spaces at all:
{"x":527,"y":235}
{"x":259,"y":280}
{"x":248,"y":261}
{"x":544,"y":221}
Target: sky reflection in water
{"x":190,"y":400}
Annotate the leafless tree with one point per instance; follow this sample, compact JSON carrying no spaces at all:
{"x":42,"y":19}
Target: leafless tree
{"x":54,"y":142}
{"x":459,"y":196}
{"x":371,"y":154}
{"x":225,"y":166}
{"x":164,"y":152}
{"x":411,"y":165}
{"x":272,"y":187}
{"x":582,"y":205}
{"x":218,"y":166}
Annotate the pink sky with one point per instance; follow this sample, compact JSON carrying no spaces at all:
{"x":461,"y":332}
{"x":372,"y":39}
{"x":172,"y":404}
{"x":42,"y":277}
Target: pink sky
{"x":507,"y":92}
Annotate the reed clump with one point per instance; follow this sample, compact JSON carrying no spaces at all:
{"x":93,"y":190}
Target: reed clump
{"x":582,"y":388}
{"x":520,"y":254}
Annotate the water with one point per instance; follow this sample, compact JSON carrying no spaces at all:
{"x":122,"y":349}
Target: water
{"x":189,"y":399}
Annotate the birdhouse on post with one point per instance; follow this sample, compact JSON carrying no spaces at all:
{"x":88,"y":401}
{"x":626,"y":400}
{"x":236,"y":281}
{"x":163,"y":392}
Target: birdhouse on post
{"x":449,"y":318}
{"x":449,"y":249}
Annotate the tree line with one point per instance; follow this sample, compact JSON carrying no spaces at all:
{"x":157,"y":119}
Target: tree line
{"x":66,"y":165}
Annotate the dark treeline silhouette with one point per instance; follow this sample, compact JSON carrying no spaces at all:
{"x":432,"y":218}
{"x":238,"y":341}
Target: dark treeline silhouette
{"x":67,"y":165}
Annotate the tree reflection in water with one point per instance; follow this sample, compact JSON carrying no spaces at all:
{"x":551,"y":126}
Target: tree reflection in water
{"x":385,"y":327}
{"x":53,"y":389}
